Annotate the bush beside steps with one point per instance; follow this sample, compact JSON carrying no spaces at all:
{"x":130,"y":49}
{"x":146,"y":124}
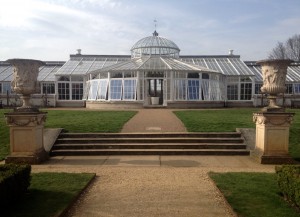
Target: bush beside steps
{"x":14,"y":182}
{"x":288,"y":178}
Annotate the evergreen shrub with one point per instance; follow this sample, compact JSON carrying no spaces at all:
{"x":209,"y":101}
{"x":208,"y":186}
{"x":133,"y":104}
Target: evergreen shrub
{"x":14,"y":182}
{"x":288,"y":178}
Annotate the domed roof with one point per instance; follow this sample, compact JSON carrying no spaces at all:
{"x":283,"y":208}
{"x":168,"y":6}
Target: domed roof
{"x":154,"y":45}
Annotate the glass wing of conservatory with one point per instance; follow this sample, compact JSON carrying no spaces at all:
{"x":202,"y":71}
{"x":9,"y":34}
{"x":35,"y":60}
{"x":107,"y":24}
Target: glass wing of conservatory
{"x":154,"y":64}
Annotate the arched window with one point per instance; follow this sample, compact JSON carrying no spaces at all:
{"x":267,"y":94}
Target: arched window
{"x":64,"y":78}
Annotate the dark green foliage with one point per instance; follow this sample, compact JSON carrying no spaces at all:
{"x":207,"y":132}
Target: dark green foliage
{"x":49,"y":194}
{"x":253,"y":194}
{"x":288,"y":178}
{"x":14,"y":181}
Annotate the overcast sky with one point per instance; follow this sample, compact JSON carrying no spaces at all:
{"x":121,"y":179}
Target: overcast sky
{"x":54,"y":29}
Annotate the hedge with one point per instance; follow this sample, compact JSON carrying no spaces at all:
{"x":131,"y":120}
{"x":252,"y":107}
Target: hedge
{"x":14,"y":182}
{"x":288,"y":178}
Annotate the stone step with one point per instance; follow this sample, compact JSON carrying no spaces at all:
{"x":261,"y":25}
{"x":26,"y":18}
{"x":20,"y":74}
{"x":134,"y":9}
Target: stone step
{"x":149,"y":146}
{"x":152,"y":135}
{"x":95,"y":152}
{"x":147,"y":140}
{"x":228,"y":143}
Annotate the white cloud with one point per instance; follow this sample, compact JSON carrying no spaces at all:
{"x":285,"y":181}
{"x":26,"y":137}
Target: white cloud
{"x":52,"y":29}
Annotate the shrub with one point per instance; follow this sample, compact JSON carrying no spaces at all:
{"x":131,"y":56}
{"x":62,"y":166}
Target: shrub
{"x":288,"y":178}
{"x":14,"y":181}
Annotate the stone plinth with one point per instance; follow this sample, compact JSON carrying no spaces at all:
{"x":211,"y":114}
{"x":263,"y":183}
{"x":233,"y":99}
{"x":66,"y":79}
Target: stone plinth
{"x":26,"y":137}
{"x":272,"y":137}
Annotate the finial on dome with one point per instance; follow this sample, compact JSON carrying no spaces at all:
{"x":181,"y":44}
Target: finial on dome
{"x":155,"y":33}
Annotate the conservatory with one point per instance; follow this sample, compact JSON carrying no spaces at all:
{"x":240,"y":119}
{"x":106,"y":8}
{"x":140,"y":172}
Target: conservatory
{"x":154,"y":76}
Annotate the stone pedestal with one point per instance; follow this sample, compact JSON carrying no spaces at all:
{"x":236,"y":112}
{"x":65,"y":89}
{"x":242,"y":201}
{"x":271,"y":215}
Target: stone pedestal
{"x":26,"y":137}
{"x":272,"y":137}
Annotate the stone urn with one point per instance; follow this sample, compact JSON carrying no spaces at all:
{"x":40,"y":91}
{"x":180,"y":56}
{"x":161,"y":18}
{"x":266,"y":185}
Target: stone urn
{"x":274,"y":76}
{"x":25,"y":73}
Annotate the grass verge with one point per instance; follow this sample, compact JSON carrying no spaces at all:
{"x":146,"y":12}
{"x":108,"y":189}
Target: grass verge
{"x":49,"y":194}
{"x":227,"y":120}
{"x":253,"y":194}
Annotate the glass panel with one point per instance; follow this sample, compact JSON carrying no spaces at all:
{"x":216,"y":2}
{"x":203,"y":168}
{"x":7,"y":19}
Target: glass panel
{"x":116,"y":89}
{"x":232,"y":92}
{"x":180,"y":90}
{"x":86,"y":91}
{"x":82,"y":67}
{"x":193,"y":89}
{"x":64,"y":78}
{"x":68,"y":67}
{"x":6,"y":88}
{"x":289,"y":88}
{"x":296,"y":88}
{"x":193,"y":75}
{"x":77,"y":91}
{"x":93,"y":89}
{"x":129,"y":90}
{"x":247,"y":79}
{"x":63,"y":91}
{"x":205,"y":93}
{"x":205,"y":76}
{"x":102,"y":90}
{"x":246,"y":91}
{"x":48,"y":88}
{"x":257,"y":88}
{"x":116,"y":75}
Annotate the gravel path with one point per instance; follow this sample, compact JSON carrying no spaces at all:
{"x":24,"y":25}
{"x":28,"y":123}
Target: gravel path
{"x":152,"y":192}
{"x":154,"y":120}
{"x":169,"y":186}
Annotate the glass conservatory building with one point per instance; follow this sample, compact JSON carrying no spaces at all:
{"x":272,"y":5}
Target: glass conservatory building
{"x":154,"y":75}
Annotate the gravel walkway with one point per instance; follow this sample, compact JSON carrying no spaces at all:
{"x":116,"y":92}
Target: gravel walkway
{"x":169,"y":186}
{"x":154,"y":120}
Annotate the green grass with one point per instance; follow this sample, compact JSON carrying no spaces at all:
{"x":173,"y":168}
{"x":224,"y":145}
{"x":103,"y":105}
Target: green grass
{"x":4,"y":135}
{"x":253,"y":194}
{"x":88,"y":121}
{"x":227,"y":120}
{"x":49,"y":194}
{"x":72,"y":121}
{"x":217,"y":120}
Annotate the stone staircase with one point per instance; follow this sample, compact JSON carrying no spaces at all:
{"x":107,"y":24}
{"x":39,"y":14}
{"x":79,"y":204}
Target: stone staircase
{"x":83,"y":144}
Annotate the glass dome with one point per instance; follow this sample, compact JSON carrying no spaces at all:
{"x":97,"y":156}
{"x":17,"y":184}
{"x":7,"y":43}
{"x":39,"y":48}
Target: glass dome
{"x":154,"y":45}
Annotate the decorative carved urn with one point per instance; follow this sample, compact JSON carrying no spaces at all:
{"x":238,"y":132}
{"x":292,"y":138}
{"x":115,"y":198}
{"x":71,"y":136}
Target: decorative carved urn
{"x":274,"y":76}
{"x":25,"y":73}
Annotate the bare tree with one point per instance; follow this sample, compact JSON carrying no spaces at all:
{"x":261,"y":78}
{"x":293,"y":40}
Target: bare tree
{"x":288,"y":50}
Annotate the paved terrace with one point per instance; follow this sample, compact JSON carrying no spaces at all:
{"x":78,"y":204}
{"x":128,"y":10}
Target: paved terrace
{"x":148,"y":186}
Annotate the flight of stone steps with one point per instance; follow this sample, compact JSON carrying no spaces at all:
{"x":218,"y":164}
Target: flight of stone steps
{"x":84,"y":144}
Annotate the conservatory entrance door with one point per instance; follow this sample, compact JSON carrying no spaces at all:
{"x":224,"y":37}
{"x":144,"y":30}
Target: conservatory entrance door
{"x":156,"y":91}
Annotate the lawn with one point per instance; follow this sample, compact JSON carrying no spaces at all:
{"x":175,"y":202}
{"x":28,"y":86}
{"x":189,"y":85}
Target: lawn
{"x":224,"y":120}
{"x":49,"y":194}
{"x":72,"y":121}
{"x":253,"y":194}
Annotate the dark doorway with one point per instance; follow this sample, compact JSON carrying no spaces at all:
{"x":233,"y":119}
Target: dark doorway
{"x":156,"y":89}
